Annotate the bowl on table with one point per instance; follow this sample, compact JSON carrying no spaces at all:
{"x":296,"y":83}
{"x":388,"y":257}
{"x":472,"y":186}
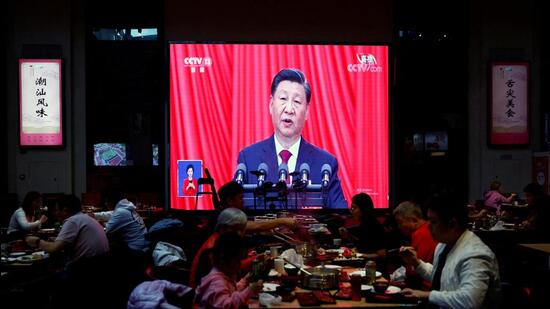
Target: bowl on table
{"x":380,"y":286}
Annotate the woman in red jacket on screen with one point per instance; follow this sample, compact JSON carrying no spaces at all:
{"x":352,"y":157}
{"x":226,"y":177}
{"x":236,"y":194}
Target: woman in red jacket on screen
{"x":190,"y":183}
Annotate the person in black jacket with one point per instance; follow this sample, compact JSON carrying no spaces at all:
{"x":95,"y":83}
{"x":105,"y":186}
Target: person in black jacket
{"x":368,"y":237}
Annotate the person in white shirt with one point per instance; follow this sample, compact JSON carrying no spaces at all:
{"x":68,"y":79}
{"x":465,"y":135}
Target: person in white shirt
{"x":23,"y":221}
{"x":465,"y":271}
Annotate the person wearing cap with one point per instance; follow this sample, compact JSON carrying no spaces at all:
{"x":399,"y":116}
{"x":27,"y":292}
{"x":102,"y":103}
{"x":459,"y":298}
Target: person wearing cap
{"x":231,"y":195}
{"x":229,"y":220}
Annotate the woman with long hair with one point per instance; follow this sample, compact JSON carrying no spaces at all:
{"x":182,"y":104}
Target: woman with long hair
{"x":23,"y":221}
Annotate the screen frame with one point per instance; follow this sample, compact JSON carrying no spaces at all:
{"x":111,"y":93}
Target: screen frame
{"x":391,"y":77}
{"x":111,"y":166}
{"x":434,"y":133}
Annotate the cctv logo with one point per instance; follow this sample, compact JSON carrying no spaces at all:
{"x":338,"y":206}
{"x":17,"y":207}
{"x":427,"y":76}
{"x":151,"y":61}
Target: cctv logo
{"x":200,"y":63}
{"x":366,"y":63}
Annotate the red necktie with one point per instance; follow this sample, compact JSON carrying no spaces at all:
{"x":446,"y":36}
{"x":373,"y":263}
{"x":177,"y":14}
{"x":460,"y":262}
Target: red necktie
{"x":285,"y":155}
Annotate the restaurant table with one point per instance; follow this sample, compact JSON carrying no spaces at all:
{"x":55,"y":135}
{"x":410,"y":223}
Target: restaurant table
{"x":25,"y":281}
{"x":323,"y":238}
{"x":545,"y":248}
{"x":254,"y":303}
{"x":540,"y":252}
{"x":504,"y":244}
{"x":535,"y":271}
{"x":340,"y":303}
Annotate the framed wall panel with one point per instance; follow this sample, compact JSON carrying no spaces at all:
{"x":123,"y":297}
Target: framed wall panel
{"x":40,"y":102}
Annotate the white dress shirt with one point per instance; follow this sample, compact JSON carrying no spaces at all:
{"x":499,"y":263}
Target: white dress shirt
{"x":293,"y":149}
{"x":470,"y":277}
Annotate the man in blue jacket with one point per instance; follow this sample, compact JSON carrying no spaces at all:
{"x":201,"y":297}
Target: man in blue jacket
{"x":124,"y":223}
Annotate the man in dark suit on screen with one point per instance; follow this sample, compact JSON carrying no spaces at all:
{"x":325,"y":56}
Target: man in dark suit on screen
{"x":289,"y":107}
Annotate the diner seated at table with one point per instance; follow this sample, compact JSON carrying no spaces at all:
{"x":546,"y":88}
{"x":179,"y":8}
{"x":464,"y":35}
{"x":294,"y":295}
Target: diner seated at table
{"x":368,"y":237}
{"x":494,"y":198}
{"x":86,"y":247}
{"x":221,"y":288}
{"x":230,"y":220}
{"x":126,"y":230}
{"x":23,"y":219}
{"x":231,"y":195}
{"x":537,"y":202}
{"x":465,"y":271}
{"x":125,"y":226}
{"x":411,"y":223}
{"x":82,"y":235}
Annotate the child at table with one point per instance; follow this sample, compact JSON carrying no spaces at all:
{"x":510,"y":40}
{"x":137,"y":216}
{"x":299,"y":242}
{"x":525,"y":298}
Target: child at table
{"x":219,"y":289}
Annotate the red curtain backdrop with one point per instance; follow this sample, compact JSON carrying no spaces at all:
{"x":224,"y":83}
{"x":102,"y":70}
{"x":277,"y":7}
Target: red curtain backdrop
{"x":219,"y":103}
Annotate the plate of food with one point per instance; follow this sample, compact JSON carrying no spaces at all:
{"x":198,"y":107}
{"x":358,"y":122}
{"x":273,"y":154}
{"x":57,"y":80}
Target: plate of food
{"x":366,"y":287}
{"x":392,"y":289}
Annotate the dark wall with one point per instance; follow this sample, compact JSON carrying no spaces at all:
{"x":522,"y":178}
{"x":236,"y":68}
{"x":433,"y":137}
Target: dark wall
{"x":6,"y":24}
{"x":430,"y":94}
{"x":280,"y":21}
{"x":125,"y":97}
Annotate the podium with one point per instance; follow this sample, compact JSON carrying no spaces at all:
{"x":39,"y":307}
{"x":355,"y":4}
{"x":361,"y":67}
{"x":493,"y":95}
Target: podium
{"x":282,"y":196}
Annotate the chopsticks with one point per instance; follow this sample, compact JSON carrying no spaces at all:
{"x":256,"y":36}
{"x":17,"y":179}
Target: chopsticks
{"x":285,"y":236}
{"x":283,"y":239}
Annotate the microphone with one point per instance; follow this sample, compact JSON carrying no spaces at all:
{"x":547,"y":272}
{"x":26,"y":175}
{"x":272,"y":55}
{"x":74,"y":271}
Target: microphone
{"x":239,"y":174}
{"x":304,"y":173}
{"x":263,"y":170}
{"x":326,"y":172}
{"x":283,"y":172}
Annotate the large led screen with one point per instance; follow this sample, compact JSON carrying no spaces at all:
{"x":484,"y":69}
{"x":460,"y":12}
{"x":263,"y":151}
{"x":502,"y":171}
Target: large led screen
{"x":221,"y":102}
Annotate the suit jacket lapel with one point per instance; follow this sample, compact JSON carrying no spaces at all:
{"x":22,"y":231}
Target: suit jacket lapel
{"x":304,"y":152}
{"x":270,"y":158}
